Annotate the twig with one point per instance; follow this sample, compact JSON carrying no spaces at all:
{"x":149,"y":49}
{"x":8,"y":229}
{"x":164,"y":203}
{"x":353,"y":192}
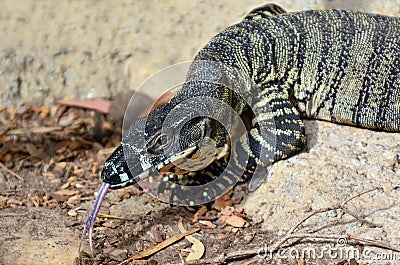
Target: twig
{"x":359,"y":194}
{"x":102,"y":215}
{"x":159,"y":246}
{"x":290,"y":234}
{"x":361,"y":219}
{"x":243,"y":254}
{"x":322,"y":210}
{"x":346,"y":239}
{"x":11,"y":172}
{"x":223,"y":258}
{"x":335,"y":207}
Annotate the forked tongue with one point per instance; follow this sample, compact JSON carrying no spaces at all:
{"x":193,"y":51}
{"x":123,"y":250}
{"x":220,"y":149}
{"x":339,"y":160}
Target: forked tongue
{"x":92,"y":216}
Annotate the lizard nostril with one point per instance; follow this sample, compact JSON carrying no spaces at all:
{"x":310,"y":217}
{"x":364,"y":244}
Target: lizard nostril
{"x":109,"y":173}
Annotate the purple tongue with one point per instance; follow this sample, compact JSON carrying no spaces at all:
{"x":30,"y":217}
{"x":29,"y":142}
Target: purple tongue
{"x":92,"y":216}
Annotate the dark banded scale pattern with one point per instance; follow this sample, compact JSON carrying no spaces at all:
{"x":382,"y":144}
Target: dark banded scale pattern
{"x":333,"y":65}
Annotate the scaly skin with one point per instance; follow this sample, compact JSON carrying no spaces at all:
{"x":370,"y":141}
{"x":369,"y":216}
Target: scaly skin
{"x":332,"y":65}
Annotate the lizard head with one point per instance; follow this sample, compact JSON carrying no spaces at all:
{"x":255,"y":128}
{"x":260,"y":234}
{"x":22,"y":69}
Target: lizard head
{"x":172,"y":139}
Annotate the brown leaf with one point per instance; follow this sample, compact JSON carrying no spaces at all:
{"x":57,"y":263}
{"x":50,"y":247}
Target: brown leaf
{"x":3,"y":202}
{"x":44,"y":112}
{"x":60,"y":166}
{"x":200,"y":212}
{"x":112,"y":224}
{"x":197,"y":250}
{"x":72,"y":213}
{"x":38,"y":130}
{"x":223,"y":201}
{"x":160,"y":246}
{"x":235,"y":221}
{"x":63,"y":195}
{"x":227,"y":211}
{"x":207,"y":223}
{"x":79,"y":172}
{"x":66,"y":192}
{"x":102,"y":106}
{"x":68,"y":120}
{"x":74,"y":200}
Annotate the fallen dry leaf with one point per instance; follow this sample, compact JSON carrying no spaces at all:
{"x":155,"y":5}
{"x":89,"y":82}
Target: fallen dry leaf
{"x":3,"y":202}
{"x":160,"y":246}
{"x":207,"y":223}
{"x":161,"y":100}
{"x":72,"y":213}
{"x":200,"y":212}
{"x":60,"y":166}
{"x":223,"y":201}
{"x":37,"y":130}
{"x":66,"y":192}
{"x":197,"y":249}
{"x":102,"y":106}
{"x":63,"y":195}
{"x":112,"y":224}
{"x":235,"y":221}
{"x":227,"y":211}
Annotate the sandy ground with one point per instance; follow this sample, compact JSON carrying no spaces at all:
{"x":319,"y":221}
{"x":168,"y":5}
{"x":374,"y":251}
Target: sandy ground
{"x":52,"y":50}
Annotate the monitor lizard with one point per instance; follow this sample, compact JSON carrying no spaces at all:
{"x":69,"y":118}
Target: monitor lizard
{"x":334,"y":65}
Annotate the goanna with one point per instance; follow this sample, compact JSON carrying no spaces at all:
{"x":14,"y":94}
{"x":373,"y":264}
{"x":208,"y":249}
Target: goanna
{"x":273,"y":69}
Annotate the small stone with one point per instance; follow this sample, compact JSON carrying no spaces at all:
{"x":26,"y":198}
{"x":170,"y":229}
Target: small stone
{"x":331,"y":214}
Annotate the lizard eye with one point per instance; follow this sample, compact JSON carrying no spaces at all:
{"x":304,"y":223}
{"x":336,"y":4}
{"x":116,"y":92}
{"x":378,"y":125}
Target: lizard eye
{"x":159,"y":143}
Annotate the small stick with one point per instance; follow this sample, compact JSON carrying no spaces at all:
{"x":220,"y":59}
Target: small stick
{"x":243,"y":254}
{"x":102,"y":215}
{"x":160,"y":246}
{"x":359,"y":194}
{"x":334,"y":207}
{"x":368,"y":242}
{"x":359,"y":218}
{"x":11,"y":172}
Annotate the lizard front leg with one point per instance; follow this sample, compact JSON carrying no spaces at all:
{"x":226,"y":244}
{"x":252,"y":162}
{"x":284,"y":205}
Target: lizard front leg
{"x":278,"y":133}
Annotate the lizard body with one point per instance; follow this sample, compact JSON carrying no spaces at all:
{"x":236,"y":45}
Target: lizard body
{"x":333,"y":65}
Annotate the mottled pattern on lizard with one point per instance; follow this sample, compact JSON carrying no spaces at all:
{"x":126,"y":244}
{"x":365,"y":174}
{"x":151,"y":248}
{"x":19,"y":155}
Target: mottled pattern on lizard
{"x":333,"y":65}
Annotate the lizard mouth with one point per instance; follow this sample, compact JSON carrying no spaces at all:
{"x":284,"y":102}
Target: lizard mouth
{"x":161,"y":167}
{"x":132,"y":181}
{"x":88,"y":228}
{"x":190,"y":160}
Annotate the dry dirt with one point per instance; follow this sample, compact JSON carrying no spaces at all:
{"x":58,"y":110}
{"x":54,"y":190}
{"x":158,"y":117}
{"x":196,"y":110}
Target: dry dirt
{"x":52,"y":50}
